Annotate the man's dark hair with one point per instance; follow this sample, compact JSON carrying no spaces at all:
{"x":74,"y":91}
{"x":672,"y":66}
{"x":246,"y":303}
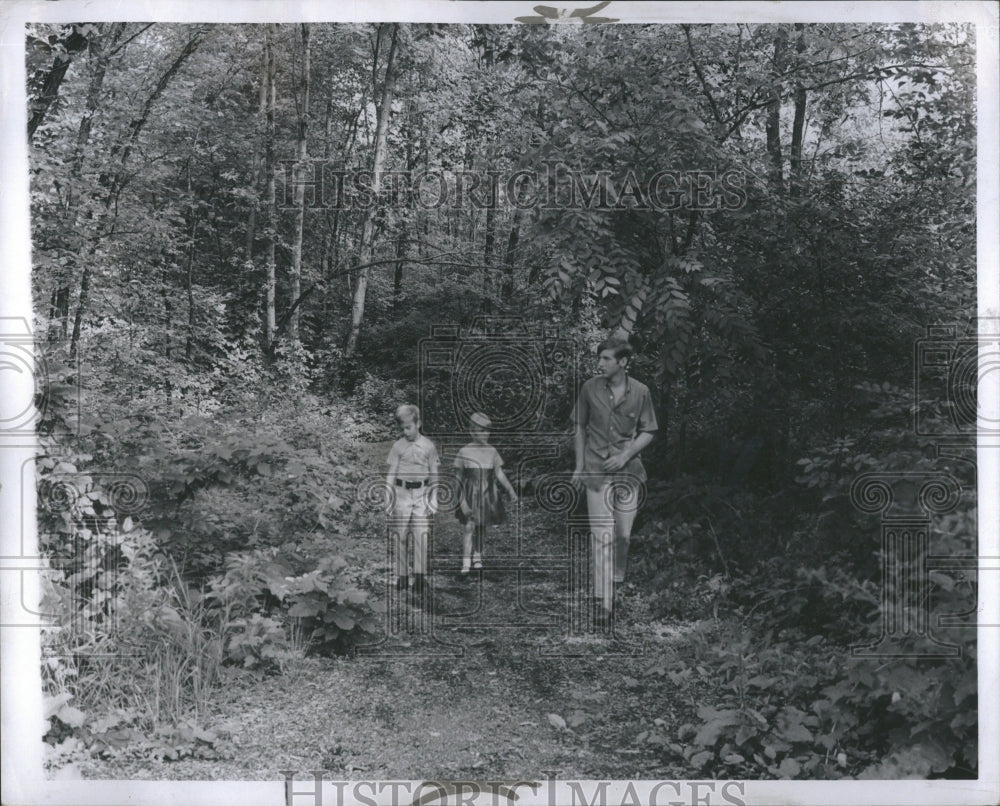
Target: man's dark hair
{"x":620,"y":347}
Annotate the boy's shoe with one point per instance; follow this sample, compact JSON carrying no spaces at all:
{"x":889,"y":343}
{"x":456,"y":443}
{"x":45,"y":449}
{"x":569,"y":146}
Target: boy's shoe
{"x":466,"y":565}
{"x":477,"y":561}
{"x":402,"y":583}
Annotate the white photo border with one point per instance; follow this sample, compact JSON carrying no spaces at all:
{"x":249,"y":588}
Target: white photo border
{"x":23,"y":779}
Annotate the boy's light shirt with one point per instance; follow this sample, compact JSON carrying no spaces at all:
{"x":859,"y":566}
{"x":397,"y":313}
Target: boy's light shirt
{"x":416,"y":460}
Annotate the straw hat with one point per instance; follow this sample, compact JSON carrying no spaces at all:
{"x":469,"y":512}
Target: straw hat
{"x":481,"y":420}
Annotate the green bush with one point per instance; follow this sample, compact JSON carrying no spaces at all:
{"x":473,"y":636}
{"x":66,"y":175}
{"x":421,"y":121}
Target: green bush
{"x":793,"y":702}
{"x":324,"y":604}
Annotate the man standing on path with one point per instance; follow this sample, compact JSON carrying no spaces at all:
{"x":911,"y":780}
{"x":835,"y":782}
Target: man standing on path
{"x":614,"y":421}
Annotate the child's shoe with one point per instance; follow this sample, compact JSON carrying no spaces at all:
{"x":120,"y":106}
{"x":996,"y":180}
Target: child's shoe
{"x":466,"y":565}
{"x":477,"y":560}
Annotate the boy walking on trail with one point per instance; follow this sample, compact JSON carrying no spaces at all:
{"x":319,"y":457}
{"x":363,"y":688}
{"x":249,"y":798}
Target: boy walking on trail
{"x":479,"y":469}
{"x":614,"y":421}
{"x":413,"y":470}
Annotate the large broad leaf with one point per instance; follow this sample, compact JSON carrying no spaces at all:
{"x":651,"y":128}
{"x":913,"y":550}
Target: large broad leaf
{"x":700,"y":759}
{"x":917,"y":761}
{"x":797,"y":733}
{"x":305,"y":608}
{"x":342,"y":617}
{"x":73,"y":717}
{"x":710,"y":732}
{"x":789,"y":768}
{"x":52,"y":705}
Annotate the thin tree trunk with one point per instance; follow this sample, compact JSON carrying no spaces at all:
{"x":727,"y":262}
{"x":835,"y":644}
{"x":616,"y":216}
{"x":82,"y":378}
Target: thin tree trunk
{"x":507,"y":289}
{"x":168,"y":310}
{"x":256,"y":164}
{"x":269,"y":316}
{"x":772,"y":124}
{"x":72,"y":44}
{"x":93,"y":99}
{"x":189,"y":341}
{"x":397,"y":277}
{"x":116,"y":182}
{"x":366,"y":252}
{"x":798,"y":122}
{"x":302,"y":102}
{"x":488,"y":255}
{"x":61,"y":296}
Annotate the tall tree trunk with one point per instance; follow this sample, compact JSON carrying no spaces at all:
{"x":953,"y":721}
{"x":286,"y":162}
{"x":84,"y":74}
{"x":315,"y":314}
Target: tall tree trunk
{"x":269,"y":77}
{"x":772,"y":123}
{"x":255,"y":165}
{"x":168,"y":313}
{"x":189,"y":274}
{"x":488,"y":249}
{"x":401,"y":242}
{"x":81,"y":306}
{"x":76,"y":40}
{"x":397,"y":277}
{"x":367,"y":250}
{"x":507,"y":289}
{"x":94,"y":96}
{"x":116,"y":182}
{"x":301,"y":151}
{"x":189,"y":340}
{"x":61,"y":296}
{"x":798,"y":122}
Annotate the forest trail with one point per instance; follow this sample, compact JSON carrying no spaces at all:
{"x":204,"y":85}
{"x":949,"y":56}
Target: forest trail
{"x":484,"y":680}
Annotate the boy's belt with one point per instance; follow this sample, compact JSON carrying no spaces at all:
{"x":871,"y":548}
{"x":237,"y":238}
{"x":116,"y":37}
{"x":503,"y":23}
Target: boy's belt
{"x":410,"y":485}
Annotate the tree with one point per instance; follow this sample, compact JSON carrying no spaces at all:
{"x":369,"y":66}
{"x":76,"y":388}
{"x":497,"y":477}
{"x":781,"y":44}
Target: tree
{"x":367,"y":246}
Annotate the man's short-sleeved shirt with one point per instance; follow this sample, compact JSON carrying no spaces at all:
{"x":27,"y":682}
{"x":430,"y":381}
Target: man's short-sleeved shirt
{"x":610,"y":426}
{"x":413,"y":460}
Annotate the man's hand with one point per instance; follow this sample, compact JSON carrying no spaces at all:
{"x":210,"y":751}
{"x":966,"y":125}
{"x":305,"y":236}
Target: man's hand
{"x":577,"y":480}
{"x":615,"y":463}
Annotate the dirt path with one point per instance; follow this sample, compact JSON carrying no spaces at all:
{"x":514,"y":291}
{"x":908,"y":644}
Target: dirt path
{"x":495,"y":676}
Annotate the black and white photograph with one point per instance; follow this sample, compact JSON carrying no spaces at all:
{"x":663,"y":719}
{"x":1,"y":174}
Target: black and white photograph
{"x":482,"y":402}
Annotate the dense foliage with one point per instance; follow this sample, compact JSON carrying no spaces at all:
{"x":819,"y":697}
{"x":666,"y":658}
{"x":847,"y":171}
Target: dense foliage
{"x":223,"y":341}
